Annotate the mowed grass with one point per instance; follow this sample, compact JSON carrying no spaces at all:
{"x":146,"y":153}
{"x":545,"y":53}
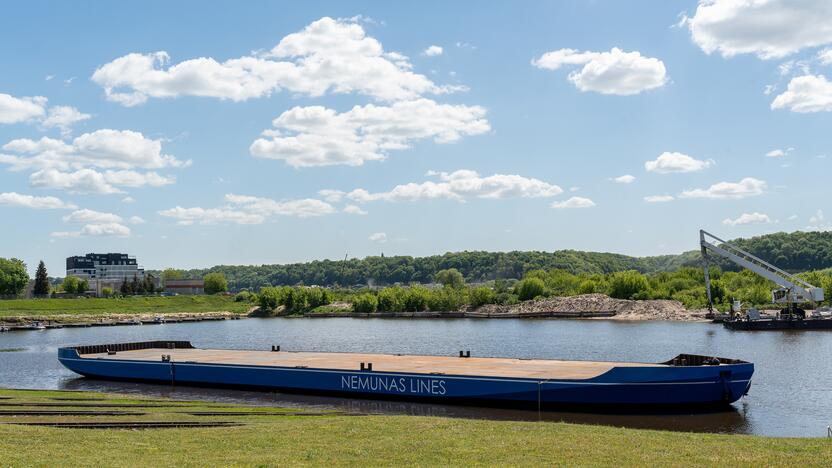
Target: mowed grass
{"x":337,"y":440}
{"x":119,"y":306}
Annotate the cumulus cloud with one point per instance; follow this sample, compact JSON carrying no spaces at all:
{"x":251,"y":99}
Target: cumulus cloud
{"x":246,"y":209}
{"x":668,"y":162}
{"x":574,"y":202}
{"x":747,"y":187}
{"x":379,"y":237}
{"x":747,"y":218}
{"x":188,"y":216}
{"x":767,"y":28}
{"x":808,"y":93}
{"x":136,"y":220}
{"x":327,"y":56}
{"x":29,"y":201}
{"x":22,"y":109}
{"x":75,"y":166}
{"x":825,"y":57}
{"x":318,"y":136}
{"x":777,"y":153}
{"x":91,"y":216}
{"x":658,"y":198}
{"x":354,"y":209}
{"x":613,"y":72}
{"x":106,"y":229}
{"x":433,"y":51}
{"x":625,"y":179}
{"x":63,"y":118}
{"x":303,"y":208}
{"x":459,"y":186}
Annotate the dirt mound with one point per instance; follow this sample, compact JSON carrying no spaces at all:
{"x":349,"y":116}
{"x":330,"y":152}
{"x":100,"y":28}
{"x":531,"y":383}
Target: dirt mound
{"x":624,"y":309}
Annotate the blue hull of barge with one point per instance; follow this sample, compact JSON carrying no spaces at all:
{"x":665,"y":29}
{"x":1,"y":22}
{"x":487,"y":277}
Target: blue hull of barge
{"x":621,"y":386}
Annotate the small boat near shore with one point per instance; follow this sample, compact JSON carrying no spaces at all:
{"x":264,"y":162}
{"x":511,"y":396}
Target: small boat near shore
{"x":686,"y":380}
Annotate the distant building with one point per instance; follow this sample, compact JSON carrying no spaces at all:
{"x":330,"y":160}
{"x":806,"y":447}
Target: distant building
{"x":185,"y":286}
{"x":109,"y":266}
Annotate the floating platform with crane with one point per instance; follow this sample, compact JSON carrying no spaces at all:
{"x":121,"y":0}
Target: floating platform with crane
{"x":793,"y":292}
{"x":685,"y":381}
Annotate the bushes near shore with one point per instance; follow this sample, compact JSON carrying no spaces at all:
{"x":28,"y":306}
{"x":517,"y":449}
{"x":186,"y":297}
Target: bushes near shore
{"x":686,"y":285}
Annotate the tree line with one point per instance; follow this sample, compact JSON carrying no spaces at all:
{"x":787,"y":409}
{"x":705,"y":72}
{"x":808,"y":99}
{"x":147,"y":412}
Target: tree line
{"x":794,"y":252}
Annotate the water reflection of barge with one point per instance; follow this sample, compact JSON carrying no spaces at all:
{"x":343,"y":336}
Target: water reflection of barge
{"x":687,"y":380}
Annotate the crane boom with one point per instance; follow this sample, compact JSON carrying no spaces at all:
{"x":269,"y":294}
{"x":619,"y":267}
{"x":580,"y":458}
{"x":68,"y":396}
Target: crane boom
{"x":797,"y":289}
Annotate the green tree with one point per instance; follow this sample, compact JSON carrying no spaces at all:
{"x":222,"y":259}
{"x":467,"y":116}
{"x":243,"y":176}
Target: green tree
{"x":13,"y":277}
{"x":134,"y":285}
{"x":82,"y":287}
{"x":482,"y":295}
{"x":450,"y":277}
{"x":365,"y":303}
{"x":530,"y":288}
{"x":125,"y":288}
{"x":107,"y":292}
{"x":70,"y":284}
{"x":41,"y":281}
{"x":628,"y":284}
{"x":172,"y":274}
{"x":215,"y":283}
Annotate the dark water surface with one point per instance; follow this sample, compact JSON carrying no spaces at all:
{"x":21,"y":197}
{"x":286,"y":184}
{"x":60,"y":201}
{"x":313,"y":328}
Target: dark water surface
{"x":791,"y":392}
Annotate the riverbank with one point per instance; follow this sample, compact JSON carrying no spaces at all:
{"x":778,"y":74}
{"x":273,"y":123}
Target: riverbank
{"x":585,"y":306}
{"x":248,"y":435}
{"x":128,"y":310}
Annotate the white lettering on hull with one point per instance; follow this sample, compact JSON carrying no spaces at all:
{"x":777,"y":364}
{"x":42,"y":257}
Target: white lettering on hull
{"x":405,"y":385}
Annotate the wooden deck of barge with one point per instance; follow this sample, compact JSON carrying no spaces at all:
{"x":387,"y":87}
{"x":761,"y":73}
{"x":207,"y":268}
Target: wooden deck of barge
{"x":473,"y":366}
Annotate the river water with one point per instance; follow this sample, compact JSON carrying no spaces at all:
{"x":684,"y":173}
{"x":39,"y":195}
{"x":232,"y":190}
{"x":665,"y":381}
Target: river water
{"x":791,"y":392}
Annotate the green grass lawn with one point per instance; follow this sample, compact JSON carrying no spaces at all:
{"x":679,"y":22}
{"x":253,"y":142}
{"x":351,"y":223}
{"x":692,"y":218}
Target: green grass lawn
{"x":274,"y":437}
{"x":47,"y":308}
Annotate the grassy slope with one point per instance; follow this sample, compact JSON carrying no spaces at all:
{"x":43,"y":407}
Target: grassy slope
{"x":383,"y":440}
{"x":130,"y":305}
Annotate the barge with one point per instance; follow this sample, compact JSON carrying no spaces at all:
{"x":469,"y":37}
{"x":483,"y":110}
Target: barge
{"x":686,"y":380}
{"x":774,"y":323}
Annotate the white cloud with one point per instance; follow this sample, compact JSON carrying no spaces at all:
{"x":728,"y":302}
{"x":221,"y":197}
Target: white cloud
{"x":85,"y":216}
{"x":668,"y":162}
{"x":658,"y":198}
{"x":64,"y":117}
{"x":625,"y":179}
{"x":304,"y":208}
{"x":29,"y":201}
{"x":89,"y":181}
{"x":808,"y":93}
{"x":792,"y":217}
{"x":825,"y":56}
{"x":73,"y":166}
{"x":136,"y":220}
{"x":379,"y":237}
{"x":187,"y":216}
{"x":23,"y":109}
{"x":245,"y":209}
{"x":613,"y":72}
{"x":433,"y":51}
{"x":817,"y":218}
{"x":128,"y":199}
{"x":747,"y":187}
{"x":327,"y":56}
{"x":105,"y":229}
{"x":354,"y":209}
{"x":461,"y":185}
{"x":318,"y":136}
{"x":777,"y":153}
{"x":332,"y":196}
{"x":574,"y":202}
{"x":768,"y":28}
{"x":748,"y":218}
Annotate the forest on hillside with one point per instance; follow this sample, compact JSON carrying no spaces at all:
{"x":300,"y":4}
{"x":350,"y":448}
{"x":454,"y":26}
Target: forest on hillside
{"x":795,"y":252}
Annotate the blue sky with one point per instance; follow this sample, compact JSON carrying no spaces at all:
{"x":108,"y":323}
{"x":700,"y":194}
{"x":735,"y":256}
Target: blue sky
{"x":192,"y":134}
